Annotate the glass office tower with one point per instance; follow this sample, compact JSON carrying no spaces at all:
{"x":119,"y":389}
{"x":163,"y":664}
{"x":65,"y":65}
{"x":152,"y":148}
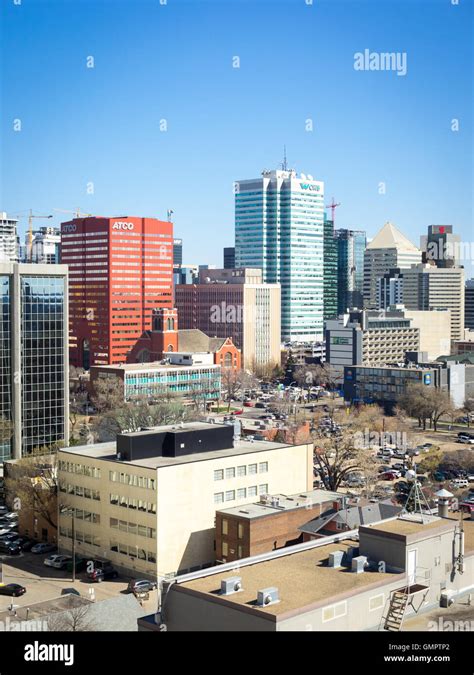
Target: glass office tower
{"x":279,"y":228}
{"x":34,"y":382}
{"x":330,"y":270}
{"x":351,"y":245}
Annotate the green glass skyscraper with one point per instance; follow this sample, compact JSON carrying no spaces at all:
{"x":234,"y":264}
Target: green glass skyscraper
{"x":330,"y":270}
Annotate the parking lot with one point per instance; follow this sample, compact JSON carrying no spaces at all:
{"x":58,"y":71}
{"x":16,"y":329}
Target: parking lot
{"x":44,"y":583}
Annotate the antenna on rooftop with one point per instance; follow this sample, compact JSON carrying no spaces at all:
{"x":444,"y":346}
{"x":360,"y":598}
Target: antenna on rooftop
{"x":416,"y":499}
{"x":284,"y":164}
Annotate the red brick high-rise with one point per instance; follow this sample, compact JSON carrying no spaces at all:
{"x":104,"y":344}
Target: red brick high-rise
{"x":120,"y":270}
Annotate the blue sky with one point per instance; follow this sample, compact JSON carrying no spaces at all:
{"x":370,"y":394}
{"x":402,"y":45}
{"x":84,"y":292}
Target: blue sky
{"x":174,"y":62}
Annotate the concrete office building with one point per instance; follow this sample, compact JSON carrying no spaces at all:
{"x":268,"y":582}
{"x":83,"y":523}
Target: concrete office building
{"x":120,"y":270}
{"x":8,"y":238}
{"x":45,"y":246}
{"x":441,"y":247}
{"x":426,"y":287}
{"x":237,"y":304}
{"x":434,"y":330}
{"x":332,"y":584}
{"x":469,"y":305}
{"x":148,"y":501}
{"x":279,"y":229}
{"x":370,"y":337}
{"x":390,"y":289}
{"x":389,"y":249}
{"x":34,"y":377}
{"x":229,"y":257}
{"x":351,"y":245}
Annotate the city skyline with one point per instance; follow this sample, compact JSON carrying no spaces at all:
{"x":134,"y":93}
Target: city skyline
{"x":186,"y":114}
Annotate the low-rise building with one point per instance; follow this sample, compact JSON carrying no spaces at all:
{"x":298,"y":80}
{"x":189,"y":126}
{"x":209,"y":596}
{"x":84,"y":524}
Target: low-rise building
{"x":338,"y":519}
{"x":148,"y":501}
{"x":193,"y":381}
{"x":271,"y":523}
{"x":385,"y":384}
{"x":349,"y":582}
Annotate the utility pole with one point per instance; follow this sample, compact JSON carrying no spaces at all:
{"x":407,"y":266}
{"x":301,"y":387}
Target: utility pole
{"x":73,"y":530}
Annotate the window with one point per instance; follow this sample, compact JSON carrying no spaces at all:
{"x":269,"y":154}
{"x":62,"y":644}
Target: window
{"x":240,"y":552}
{"x":334,"y":611}
{"x":252,"y":491}
{"x":241,"y":471}
{"x":376,"y":602}
{"x":230,"y":495}
{"x":218,"y":497}
{"x":225,"y":526}
{"x":241,"y":493}
{"x":219,"y":474}
{"x":230,"y":472}
{"x":225,"y":548}
{"x":263,"y":489}
{"x":252,"y":469}
{"x":240,"y":531}
{"x":263,"y":467}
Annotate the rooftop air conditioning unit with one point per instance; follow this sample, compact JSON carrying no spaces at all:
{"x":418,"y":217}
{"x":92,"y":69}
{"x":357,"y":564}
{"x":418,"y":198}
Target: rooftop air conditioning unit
{"x":359,"y":563}
{"x":231,"y":585}
{"x":268,"y":596}
{"x":335,"y":559}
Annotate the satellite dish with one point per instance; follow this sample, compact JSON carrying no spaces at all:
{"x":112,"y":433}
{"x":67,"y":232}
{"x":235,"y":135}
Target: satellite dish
{"x":410,"y":476}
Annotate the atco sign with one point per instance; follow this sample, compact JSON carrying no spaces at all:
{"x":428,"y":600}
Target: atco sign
{"x":122,"y":226}
{"x":69,"y":228}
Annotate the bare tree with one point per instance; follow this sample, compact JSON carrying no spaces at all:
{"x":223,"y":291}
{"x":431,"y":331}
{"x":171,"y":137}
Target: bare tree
{"x":426,"y":403}
{"x":33,"y":481}
{"x":107,"y":393}
{"x":74,"y":620}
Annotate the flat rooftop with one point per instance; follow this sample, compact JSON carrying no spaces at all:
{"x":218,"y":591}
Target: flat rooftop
{"x":300,"y":500}
{"x":303,"y":578}
{"x":108,"y":451}
{"x":411,"y":528}
{"x":153,"y":365}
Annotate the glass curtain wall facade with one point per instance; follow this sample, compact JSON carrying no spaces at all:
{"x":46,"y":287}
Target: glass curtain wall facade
{"x":6,"y":412}
{"x":330,"y":270}
{"x":351,"y":245}
{"x":42,"y":360}
{"x":279,"y":228}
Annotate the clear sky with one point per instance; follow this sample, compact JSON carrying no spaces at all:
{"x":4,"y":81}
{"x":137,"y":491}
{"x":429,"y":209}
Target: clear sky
{"x":174,"y":62}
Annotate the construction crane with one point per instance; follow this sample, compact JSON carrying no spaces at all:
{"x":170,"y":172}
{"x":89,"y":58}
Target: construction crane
{"x":77,"y":213}
{"x":29,"y":248}
{"x":333,"y":206}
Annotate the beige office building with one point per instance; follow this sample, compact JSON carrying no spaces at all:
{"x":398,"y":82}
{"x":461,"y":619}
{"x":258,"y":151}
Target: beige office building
{"x":426,"y":287}
{"x":388,"y":250}
{"x":434,"y":331}
{"x":235,"y":303}
{"x":148,"y":502}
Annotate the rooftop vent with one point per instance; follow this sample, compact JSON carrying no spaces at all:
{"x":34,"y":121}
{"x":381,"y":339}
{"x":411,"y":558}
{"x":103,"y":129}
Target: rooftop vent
{"x":231,"y":585}
{"x":335,"y":559}
{"x":268,"y":596}
{"x":359,"y":563}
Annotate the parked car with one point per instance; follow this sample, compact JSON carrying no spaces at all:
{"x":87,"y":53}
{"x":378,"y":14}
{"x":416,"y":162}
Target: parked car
{"x":399,"y":466}
{"x":459,"y":483}
{"x":467,"y":440}
{"x":102,"y":571}
{"x":43,"y":547}
{"x":141,"y":586}
{"x":23,"y":542}
{"x":402,"y":486}
{"x":57,"y":561}
{"x":9,"y":515}
{"x":470,"y":478}
{"x":389,"y":475}
{"x":70,"y":591}
{"x":14,"y":590}
{"x":8,"y":548}
{"x":81,"y":564}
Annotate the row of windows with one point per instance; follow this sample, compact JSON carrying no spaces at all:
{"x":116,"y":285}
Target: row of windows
{"x":128,"y":502}
{"x":241,"y":493}
{"x":132,"y":479}
{"x":240,"y":471}
{"x":81,"y":537}
{"x":132,"y":551}
{"x":133,"y":528}
{"x":79,"y":491}
{"x":82,"y":469}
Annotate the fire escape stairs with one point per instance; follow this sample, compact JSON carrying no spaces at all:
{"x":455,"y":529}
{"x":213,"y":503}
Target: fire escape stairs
{"x":396,"y":611}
